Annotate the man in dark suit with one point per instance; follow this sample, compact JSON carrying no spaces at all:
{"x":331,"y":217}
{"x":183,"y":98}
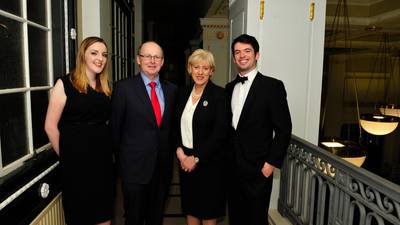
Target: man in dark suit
{"x":142,"y":111}
{"x":260,"y":134}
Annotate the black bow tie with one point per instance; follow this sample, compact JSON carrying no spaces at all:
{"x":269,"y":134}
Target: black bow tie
{"x":240,"y":79}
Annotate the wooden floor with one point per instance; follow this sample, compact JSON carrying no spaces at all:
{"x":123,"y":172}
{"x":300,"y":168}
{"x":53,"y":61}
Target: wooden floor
{"x":173,"y":214}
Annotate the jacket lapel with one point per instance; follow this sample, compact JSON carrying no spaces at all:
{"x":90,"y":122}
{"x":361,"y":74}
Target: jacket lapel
{"x":141,"y":92}
{"x":249,"y":100}
{"x":203,"y":101}
{"x":167,"y":101}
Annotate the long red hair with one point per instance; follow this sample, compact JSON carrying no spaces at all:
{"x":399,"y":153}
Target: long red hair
{"x":79,"y":78}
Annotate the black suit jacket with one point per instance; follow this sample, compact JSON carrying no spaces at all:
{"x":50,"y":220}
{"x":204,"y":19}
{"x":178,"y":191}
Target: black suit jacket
{"x":140,"y":144}
{"x":209,"y":123}
{"x":264,"y":128}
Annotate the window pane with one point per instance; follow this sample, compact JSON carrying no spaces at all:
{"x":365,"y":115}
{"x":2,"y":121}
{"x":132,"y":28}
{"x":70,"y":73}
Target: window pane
{"x":13,"y":130}
{"x":37,"y":11}
{"x":37,"y":57}
{"x":13,"y":7}
{"x":11,"y":61}
{"x":39,"y":101}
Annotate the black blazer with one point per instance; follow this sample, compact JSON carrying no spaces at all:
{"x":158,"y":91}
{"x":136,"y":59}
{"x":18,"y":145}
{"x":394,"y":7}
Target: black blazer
{"x":264,"y":128}
{"x":138,"y":141}
{"x":209,"y":123}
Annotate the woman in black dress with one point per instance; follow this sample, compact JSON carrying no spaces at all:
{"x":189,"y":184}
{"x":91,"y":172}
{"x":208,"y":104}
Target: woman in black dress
{"x":201,"y":111}
{"x":77,"y":127}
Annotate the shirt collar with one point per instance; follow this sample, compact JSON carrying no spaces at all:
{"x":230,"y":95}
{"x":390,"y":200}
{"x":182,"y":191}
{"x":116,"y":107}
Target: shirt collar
{"x":251,"y":75}
{"x":146,"y":80}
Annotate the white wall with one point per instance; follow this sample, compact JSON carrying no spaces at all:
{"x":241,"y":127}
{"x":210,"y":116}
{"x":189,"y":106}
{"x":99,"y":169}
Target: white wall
{"x":94,"y":19}
{"x":291,"y":49}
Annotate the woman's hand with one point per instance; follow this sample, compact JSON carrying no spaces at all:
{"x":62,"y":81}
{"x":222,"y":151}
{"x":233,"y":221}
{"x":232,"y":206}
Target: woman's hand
{"x":180,"y":154}
{"x":189,"y":164}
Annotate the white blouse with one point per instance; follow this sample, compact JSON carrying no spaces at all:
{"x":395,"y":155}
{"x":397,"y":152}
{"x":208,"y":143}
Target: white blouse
{"x":186,"y":122}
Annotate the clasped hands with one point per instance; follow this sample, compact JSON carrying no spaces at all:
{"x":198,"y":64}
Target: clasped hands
{"x":187,"y":163}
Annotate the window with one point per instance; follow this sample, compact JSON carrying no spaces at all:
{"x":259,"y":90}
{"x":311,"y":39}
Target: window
{"x":122,"y":36}
{"x":26,"y":75}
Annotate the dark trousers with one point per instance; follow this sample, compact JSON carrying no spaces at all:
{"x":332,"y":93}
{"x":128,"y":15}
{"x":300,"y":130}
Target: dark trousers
{"x":248,"y":200}
{"x":144,"y":203}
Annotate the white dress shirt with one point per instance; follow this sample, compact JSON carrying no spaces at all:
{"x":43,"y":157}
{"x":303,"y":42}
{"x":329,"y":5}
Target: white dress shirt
{"x":187,"y":122}
{"x":239,"y":96}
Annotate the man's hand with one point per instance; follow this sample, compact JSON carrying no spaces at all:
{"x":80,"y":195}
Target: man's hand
{"x":267,"y":169}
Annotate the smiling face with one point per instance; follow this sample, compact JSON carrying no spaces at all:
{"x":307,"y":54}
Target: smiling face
{"x":150,"y":59}
{"x":95,"y":58}
{"x":201,"y":73}
{"x":244,"y":57}
{"x":201,"y":65}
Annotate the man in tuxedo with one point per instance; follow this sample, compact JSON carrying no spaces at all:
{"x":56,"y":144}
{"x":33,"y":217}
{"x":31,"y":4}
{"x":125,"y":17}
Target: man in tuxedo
{"x":259,"y":136}
{"x":142,"y":112}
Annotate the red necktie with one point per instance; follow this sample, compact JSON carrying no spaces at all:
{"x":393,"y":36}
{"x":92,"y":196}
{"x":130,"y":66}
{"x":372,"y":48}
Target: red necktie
{"x":155,"y":103}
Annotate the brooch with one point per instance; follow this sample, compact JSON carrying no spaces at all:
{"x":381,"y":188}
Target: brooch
{"x":205,"y":103}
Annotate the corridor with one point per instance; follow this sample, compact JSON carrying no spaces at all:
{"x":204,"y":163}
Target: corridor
{"x":172,"y":214}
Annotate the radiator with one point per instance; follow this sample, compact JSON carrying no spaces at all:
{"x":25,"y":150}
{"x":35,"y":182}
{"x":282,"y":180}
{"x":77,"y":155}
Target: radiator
{"x":53,"y":214}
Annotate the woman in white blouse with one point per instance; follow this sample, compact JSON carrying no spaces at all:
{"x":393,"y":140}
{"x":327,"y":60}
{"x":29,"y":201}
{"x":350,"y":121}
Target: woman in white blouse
{"x":201,"y":140}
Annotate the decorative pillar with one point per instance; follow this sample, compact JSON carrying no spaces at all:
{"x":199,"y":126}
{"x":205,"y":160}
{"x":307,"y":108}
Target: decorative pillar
{"x":216,"y":40}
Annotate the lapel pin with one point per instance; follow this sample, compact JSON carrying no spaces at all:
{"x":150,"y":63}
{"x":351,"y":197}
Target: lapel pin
{"x":205,"y":103}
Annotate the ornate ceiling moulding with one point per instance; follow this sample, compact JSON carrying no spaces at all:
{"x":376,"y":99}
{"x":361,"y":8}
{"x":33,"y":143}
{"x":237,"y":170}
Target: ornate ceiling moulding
{"x":215,"y":26}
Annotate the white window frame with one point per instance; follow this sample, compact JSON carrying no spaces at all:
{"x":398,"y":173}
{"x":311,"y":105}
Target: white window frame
{"x":28,"y":89}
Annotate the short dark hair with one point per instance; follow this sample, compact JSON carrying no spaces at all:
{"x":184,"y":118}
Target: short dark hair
{"x":248,"y":39}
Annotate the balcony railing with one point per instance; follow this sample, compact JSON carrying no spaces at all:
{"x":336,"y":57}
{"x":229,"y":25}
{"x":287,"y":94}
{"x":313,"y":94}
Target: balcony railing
{"x":321,"y":189}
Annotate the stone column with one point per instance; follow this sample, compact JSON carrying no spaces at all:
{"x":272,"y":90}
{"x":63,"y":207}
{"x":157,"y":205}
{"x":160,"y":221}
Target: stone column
{"x":216,"y":40}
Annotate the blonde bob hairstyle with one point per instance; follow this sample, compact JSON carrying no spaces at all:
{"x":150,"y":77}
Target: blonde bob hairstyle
{"x":79,"y":78}
{"x":201,"y":56}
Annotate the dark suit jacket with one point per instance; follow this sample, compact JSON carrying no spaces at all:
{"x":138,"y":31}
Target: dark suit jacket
{"x":209,"y":123}
{"x":140,"y":144}
{"x":264,"y":128}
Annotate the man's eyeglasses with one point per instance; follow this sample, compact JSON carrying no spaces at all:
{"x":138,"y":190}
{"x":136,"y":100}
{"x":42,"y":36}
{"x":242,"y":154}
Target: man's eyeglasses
{"x":156,"y":58}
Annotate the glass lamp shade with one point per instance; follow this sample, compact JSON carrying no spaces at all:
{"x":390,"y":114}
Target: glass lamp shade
{"x":378,"y":124}
{"x":357,"y":161}
{"x":349,"y":151}
{"x":390,"y":110}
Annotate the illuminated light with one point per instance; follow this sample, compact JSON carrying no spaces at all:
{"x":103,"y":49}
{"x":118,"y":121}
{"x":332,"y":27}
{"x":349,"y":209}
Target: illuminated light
{"x":390,"y":110}
{"x":378,"y":126}
{"x":357,"y":161}
{"x":332,"y":144}
{"x":349,"y":151}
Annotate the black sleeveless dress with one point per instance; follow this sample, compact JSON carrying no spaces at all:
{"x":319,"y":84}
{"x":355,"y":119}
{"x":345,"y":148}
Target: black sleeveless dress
{"x":86,"y":156}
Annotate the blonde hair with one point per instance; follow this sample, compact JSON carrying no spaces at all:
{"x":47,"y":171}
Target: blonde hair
{"x":79,"y":78}
{"x":201,"y":55}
